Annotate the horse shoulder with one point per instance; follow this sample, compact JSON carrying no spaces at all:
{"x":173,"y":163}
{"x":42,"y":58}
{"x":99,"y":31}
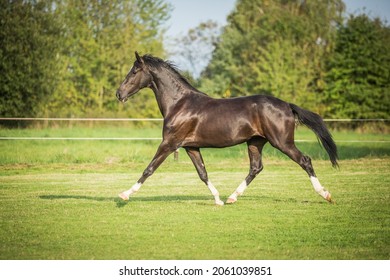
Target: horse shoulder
{"x":184,"y":117}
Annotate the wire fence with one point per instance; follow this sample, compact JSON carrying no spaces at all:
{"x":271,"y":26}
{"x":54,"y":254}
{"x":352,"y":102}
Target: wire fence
{"x":85,"y":119}
{"x":156,"y":139}
{"x":387,"y":121}
{"x":157,"y":119}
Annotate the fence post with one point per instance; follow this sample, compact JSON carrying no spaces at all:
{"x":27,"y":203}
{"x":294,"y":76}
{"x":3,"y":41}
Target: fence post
{"x":176,"y":155}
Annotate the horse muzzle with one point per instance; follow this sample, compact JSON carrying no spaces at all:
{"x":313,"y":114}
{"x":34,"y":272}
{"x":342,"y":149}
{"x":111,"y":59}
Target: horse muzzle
{"x":121,"y":97}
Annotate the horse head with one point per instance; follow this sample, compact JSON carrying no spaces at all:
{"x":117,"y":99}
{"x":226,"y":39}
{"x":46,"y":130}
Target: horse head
{"x":138,"y":78}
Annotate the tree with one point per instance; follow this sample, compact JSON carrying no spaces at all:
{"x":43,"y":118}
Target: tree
{"x":29,"y":50}
{"x":67,"y":57}
{"x":195,"y":48}
{"x":358,"y":74}
{"x":275,"y":47}
{"x":101,"y":38}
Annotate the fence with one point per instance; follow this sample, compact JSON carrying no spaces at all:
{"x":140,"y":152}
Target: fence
{"x":176,"y":153}
{"x":156,"y":120}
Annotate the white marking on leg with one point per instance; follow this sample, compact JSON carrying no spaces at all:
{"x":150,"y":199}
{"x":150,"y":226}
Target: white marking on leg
{"x":215,"y":193}
{"x":126,"y":194}
{"x":241,"y":188}
{"x":319,"y":188}
{"x":239,"y":191}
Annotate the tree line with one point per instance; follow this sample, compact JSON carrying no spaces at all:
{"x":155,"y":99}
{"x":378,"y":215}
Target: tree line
{"x":305,"y":52}
{"x":66,"y":57}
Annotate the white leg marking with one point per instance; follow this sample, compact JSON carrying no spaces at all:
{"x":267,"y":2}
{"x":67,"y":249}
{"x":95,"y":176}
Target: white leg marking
{"x":126,"y":194}
{"x":241,"y":188}
{"x":319,"y":188}
{"x":215,"y":193}
{"x":239,"y":191}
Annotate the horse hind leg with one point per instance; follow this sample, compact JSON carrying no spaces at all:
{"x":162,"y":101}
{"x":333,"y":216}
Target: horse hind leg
{"x":255,"y":146}
{"x":305,"y":162}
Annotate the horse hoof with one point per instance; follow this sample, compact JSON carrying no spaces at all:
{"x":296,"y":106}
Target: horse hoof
{"x":219,"y":203}
{"x":123,"y":196}
{"x":231,"y":200}
{"x":329,"y":198}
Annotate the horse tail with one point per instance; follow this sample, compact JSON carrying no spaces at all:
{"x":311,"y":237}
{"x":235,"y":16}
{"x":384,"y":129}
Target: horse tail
{"x":315,"y":123}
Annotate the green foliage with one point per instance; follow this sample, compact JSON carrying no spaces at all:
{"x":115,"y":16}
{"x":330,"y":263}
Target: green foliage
{"x":358,"y":78}
{"x":195,"y":48}
{"x":29,"y":56}
{"x":277,"y":47}
{"x":100,"y":42}
{"x":303,"y":52}
{"x":67,"y":57}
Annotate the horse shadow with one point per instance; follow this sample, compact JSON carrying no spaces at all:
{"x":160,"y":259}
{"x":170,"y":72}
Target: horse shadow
{"x":121,"y":203}
{"x":175,"y":198}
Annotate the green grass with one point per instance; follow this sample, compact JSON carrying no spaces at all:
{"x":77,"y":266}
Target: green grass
{"x":59,"y":201}
{"x":68,"y":151}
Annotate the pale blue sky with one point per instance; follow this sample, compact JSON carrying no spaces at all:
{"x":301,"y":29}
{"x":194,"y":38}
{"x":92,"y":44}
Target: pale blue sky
{"x":188,"y":14}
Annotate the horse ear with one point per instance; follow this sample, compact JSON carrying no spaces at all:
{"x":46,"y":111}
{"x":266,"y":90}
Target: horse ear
{"x":139,"y":59}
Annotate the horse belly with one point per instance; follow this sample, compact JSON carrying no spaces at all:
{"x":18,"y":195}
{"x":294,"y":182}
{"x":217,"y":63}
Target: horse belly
{"x":224,"y":132}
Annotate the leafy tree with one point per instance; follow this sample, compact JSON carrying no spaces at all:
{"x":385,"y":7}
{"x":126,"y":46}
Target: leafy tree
{"x":277,"y":47}
{"x":195,"y":48}
{"x":358,"y":77}
{"x":67,"y":57}
{"x":101,"y":38}
{"x":29,"y":50}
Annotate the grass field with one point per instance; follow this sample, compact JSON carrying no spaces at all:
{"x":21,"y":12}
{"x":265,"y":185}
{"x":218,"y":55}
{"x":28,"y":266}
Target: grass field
{"x":59,"y":201}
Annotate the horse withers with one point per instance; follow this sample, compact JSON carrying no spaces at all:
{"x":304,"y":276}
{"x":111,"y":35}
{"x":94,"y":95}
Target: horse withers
{"x":194,"y":120}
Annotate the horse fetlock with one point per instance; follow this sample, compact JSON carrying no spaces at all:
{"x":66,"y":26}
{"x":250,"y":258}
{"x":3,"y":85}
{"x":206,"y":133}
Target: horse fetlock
{"x":320,"y":189}
{"x":255,"y":171}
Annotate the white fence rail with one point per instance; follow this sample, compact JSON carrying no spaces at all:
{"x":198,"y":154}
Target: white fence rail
{"x":156,"y":138}
{"x":152,"y":138}
{"x":157,"y":119}
{"x":85,"y":119}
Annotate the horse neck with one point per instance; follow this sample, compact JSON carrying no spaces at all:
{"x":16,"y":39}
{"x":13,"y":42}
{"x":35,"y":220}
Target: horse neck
{"x":168,"y":89}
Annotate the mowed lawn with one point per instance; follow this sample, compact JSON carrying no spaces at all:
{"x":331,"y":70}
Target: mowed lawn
{"x":58,"y":200}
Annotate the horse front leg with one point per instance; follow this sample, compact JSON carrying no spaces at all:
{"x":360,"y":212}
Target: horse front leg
{"x":197,"y":160}
{"x":163,"y":151}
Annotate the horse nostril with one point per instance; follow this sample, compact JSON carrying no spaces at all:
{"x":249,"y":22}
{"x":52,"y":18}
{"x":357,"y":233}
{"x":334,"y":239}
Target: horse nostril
{"x":118,"y":94}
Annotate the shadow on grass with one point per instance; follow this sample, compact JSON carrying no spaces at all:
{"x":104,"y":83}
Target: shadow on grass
{"x":121,"y":203}
{"x":283,"y":200}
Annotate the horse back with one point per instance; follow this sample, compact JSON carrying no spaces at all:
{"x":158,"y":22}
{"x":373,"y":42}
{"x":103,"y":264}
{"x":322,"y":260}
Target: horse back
{"x":207,"y":122}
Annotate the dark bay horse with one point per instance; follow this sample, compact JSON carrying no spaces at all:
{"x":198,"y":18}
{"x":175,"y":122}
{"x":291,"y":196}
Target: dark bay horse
{"x":193,"y":120}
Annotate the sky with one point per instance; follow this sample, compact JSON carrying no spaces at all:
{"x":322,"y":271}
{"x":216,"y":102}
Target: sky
{"x":187,"y":14}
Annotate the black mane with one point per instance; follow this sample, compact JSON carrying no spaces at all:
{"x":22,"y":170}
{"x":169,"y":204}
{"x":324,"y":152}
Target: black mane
{"x":159,"y":63}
